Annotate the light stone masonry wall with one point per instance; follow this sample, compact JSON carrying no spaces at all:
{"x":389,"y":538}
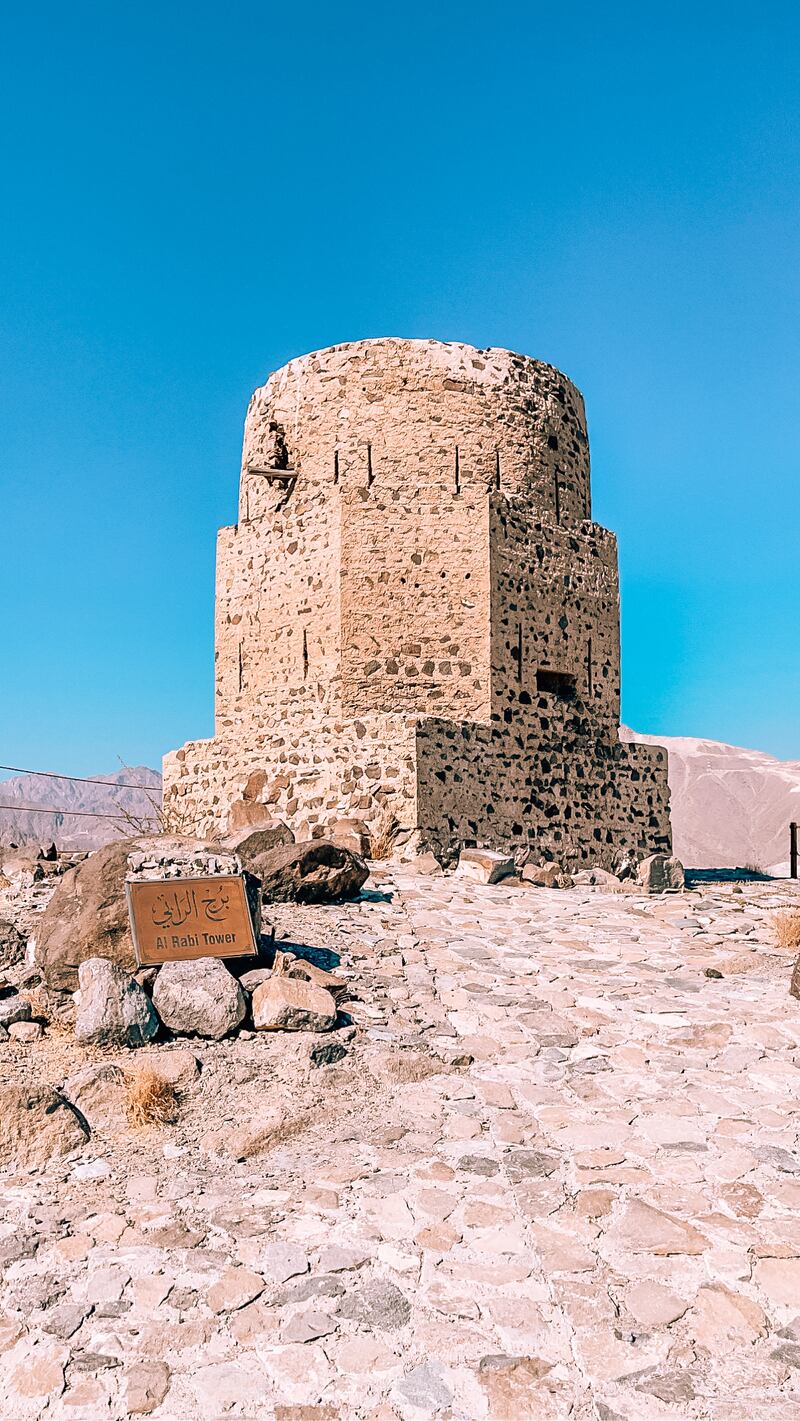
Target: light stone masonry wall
{"x":416,"y":612}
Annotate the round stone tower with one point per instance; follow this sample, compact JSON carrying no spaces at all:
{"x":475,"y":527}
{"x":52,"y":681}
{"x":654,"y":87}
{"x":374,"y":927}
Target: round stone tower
{"x":414,"y":584}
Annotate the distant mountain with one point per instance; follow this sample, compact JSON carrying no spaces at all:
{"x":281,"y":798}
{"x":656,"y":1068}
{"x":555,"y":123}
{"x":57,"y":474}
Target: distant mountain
{"x":83,"y":828}
{"x":730,"y":807}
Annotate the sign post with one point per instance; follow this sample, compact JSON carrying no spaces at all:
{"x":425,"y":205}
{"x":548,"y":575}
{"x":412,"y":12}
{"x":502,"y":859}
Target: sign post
{"x":178,"y":919}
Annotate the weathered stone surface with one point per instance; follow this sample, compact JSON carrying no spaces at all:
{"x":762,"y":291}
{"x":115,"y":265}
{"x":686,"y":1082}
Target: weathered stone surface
{"x":254,"y":978}
{"x":653,"y":1305}
{"x":292,"y":1004}
{"x":113,"y":1008}
{"x":234,"y":1289}
{"x":250,"y":843}
{"x":14,"y":1008}
{"x":199,"y":998}
{"x":98,"y":1092}
{"x":720,"y":1318}
{"x":352,"y":834}
{"x":643,"y":1229}
{"x":175,"y":1064}
{"x":146,"y":1383}
{"x":87,"y":917}
{"x":312,"y":872}
{"x":12,"y":945}
{"x":377,"y":1304}
{"x":522,"y":1389}
{"x":484,"y":866}
{"x":660,"y":873}
{"x":288,"y":965}
{"x":548,"y":875}
{"x":26,"y":1032}
{"x":327,"y":1053}
{"x":36,"y":1126}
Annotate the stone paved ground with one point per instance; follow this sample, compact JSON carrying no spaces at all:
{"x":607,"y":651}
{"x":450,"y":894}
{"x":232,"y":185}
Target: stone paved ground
{"x":598,"y":1217}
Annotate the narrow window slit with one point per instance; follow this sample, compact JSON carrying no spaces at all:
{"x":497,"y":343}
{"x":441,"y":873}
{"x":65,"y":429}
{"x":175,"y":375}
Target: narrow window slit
{"x":240,"y":666}
{"x":497,"y":468}
{"x":458,"y":472}
{"x":305,"y":655}
{"x":336,"y":466}
{"x":370,"y":474}
{"x":589,"y":672}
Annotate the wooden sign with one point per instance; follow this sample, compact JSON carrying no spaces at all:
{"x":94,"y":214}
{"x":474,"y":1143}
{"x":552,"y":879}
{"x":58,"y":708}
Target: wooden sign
{"x":177,"y":919}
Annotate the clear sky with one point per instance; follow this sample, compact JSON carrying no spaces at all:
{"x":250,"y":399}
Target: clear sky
{"x":192,"y":194}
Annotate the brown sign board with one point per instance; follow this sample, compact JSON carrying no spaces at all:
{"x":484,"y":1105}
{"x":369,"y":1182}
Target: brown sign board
{"x":177,"y":919}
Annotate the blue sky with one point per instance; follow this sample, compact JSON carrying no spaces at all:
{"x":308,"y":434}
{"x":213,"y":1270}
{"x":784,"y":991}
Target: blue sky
{"x":193,"y":194}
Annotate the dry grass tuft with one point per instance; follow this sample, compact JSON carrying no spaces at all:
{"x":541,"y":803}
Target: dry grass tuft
{"x":412,"y":1066}
{"x":381,"y":839}
{"x":151,"y":1099}
{"x":787,"y":930}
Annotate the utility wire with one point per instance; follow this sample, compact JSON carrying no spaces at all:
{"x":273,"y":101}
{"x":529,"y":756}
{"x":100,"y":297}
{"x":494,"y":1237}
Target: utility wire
{"x":77,"y":779}
{"x":45,"y":809}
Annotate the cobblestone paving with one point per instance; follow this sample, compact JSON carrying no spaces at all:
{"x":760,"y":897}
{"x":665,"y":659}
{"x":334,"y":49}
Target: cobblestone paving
{"x":596,"y":1217}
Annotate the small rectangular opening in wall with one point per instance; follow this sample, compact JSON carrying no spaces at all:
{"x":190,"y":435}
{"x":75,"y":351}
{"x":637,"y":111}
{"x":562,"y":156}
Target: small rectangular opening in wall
{"x":556,"y":683}
{"x":370,"y":475}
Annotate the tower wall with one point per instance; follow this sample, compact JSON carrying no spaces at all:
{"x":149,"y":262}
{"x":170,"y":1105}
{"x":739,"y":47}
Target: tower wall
{"x":416,"y":613}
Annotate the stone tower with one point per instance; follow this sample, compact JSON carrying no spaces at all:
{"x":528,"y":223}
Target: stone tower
{"x":415,"y":614}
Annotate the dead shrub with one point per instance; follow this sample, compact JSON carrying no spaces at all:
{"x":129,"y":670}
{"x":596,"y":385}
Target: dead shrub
{"x":152,"y":1100}
{"x":787,"y":930}
{"x":382,"y":837}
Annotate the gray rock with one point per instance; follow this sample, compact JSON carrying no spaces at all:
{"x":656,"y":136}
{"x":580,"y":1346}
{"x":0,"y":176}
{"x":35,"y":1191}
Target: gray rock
{"x":280,"y":1261}
{"x":327,"y":1053}
{"x":14,"y":1008}
{"x":306,"y":1326}
{"x":424,"y":1387}
{"x":527,"y":1164}
{"x":12,"y":945}
{"x":660,"y":873}
{"x":63,"y":1320}
{"x":113,"y":1010}
{"x":254,"y":978}
{"x":377,"y":1303}
{"x":199,"y":998}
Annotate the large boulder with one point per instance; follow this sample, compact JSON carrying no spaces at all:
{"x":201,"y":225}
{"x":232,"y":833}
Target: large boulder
{"x":312,"y":872}
{"x":37,"y":1125}
{"x":661,"y":873}
{"x":113,"y":1009}
{"x":250,"y":844}
{"x":88,"y":913}
{"x":199,"y":998}
{"x":87,"y":916}
{"x":292,"y":1004}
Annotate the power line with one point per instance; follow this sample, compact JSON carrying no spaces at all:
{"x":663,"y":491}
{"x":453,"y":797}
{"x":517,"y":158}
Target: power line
{"x":45,"y":809}
{"x":77,"y":779}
